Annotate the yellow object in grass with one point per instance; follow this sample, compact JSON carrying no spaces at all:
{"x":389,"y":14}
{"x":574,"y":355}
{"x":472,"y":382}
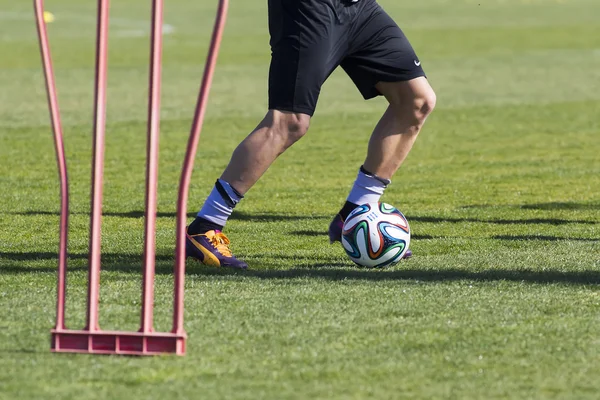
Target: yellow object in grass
{"x":48,"y":17}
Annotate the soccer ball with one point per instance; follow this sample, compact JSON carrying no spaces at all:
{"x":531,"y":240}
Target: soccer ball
{"x":375,"y":235}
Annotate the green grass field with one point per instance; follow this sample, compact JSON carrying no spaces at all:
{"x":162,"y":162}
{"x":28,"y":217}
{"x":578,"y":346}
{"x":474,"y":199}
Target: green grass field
{"x":502,"y":190}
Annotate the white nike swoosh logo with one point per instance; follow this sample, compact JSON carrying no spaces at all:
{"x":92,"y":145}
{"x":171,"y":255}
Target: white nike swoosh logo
{"x":417,"y":63}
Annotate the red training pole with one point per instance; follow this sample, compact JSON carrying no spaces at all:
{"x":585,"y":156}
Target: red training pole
{"x":98,"y":164}
{"x":188,"y":164}
{"x":59,"y":147}
{"x":152,"y":165}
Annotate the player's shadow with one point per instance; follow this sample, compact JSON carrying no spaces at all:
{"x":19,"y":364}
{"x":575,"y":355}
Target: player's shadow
{"x":334,"y":269}
{"x":339,"y":271}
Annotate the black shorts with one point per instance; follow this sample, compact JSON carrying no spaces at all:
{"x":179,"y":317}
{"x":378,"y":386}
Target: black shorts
{"x":310,"y":38}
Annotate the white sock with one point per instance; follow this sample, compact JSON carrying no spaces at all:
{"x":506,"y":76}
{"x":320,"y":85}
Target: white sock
{"x":220,"y":203}
{"x":368,"y":188}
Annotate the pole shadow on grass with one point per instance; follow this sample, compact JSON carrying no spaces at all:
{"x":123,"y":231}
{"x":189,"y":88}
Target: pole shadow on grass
{"x":334,"y":269}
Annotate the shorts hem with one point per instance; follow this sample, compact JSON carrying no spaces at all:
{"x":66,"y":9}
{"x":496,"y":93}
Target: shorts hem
{"x":294,"y":109}
{"x":404,"y":78}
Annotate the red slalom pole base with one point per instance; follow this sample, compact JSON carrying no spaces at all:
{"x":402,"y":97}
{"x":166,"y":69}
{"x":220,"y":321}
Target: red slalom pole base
{"x":115,"y":342}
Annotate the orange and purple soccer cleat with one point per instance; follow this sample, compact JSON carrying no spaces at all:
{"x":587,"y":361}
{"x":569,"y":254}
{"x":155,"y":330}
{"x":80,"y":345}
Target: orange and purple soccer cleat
{"x":212,"y":248}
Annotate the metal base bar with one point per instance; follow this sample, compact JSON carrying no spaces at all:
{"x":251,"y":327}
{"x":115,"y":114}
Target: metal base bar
{"x":115,"y":342}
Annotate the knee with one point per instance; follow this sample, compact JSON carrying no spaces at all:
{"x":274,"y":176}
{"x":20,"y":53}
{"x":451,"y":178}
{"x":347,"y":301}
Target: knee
{"x":424,"y":105}
{"x":417,"y":108}
{"x":296,"y":126}
{"x":290,"y":127}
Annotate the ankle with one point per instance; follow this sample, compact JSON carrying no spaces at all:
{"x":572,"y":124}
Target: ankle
{"x":201,"y":225}
{"x":347,"y":209}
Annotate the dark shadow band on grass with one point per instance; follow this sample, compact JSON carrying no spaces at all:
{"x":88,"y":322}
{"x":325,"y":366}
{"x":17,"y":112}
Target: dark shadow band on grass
{"x":110,"y":262}
{"x":567,"y":205}
{"x":535,"y":221}
{"x":542,"y":238}
{"x":238,"y":215}
{"x":22,"y":351}
{"x":336,"y":273}
{"x":127,"y":214}
{"x":328,"y":269}
{"x":323,"y":233}
{"x":267,"y":217}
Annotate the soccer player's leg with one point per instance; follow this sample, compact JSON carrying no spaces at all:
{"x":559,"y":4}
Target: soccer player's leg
{"x":301,"y":61}
{"x":388,"y":66}
{"x":410,"y":103}
{"x":391,"y":141}
{"x":253,"y":156}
